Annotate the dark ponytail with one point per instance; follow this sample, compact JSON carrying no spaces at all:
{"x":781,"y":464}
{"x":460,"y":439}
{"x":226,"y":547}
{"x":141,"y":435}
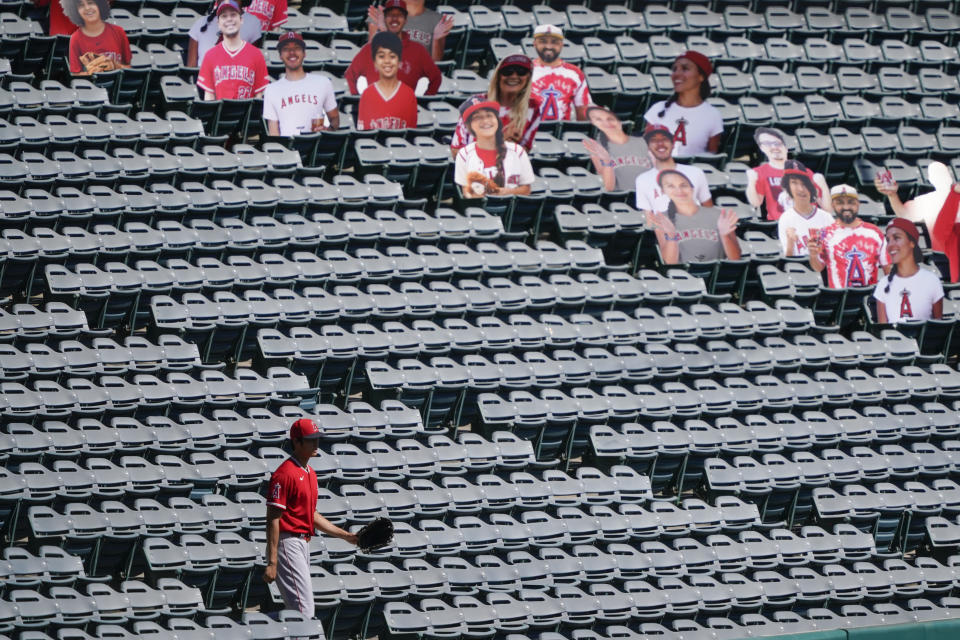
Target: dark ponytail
{"x":603,"y":140}
{"x":500,"y":178}
{"x":666,"y":105}
{"x":672,"y":212}
{"x":210,"y":18}
{"x":893,"y":272}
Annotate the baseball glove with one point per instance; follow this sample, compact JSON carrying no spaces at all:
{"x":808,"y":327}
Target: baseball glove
{"x":378,"y":533}
{"x":97,"y":63}
{"x":480,"y":184}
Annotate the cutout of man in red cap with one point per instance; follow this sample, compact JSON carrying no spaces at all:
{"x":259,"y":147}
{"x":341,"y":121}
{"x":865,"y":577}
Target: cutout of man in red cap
{"x":650,"y":196}
{"x":234,"y":69}
{"x":298,"y":102}
{"x":696,"y":124}
{"x":909,"y":292}
{"x":415,"y":63}
{"x":60,"y":24}
{"x":562,"y":86}
{"x":204,"y":35}
{"x":292,"y":519}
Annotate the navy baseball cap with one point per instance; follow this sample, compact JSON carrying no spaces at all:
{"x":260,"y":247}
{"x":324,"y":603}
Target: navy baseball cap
{"x":228,"y":4}
{"x":290,"y":36}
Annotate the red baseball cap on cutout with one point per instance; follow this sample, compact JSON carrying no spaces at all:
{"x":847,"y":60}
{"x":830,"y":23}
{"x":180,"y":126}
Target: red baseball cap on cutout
{"x":228,"y":4}
{"x":477,"y":106}
{"x":656,"y":128}
{"x":304,"y":428}
{"x":395,"y":4}
{"x":703,"y":62}
{"x":517,"y":59}
{"x":907,"y":227}
{"x":291,"y":36}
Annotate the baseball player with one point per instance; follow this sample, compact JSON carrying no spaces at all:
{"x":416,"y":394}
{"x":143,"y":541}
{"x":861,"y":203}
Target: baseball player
{"x":292,"y":519}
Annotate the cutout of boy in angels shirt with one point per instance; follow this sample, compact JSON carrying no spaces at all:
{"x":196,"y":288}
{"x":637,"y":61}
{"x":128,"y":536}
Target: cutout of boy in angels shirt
{"x":763,"y":182}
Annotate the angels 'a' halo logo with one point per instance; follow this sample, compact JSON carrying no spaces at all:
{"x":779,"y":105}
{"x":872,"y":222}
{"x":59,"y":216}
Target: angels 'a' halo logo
{"x":680,"y":134}
{"x":551,"y":106}
{"x":906,"y":310}
{"x":856,"y":274}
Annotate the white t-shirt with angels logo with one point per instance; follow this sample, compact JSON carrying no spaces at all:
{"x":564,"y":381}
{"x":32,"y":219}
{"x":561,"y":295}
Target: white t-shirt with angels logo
{"x":909,"y":298}
{"x":692,"y":126}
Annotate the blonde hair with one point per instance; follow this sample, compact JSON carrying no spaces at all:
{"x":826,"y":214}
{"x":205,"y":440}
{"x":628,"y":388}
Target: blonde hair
{"x":518,"y":112}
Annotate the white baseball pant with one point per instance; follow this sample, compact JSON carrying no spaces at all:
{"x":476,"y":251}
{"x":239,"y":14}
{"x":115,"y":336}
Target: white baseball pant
{"x":293,"y":574}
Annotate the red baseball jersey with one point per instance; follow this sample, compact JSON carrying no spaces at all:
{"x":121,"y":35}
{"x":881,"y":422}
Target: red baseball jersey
{"x":561,"y":90}
{"x":768,"y":186}
{"x":294,"y":489}
{"x":853,"y":256}
{"x":238,"y":75}
{"x":398,"y":111}
{"x":270,"y":13}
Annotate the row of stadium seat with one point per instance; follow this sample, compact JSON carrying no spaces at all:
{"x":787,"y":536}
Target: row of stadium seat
{"x":646,"y":446}
{"x":439,"y":618}
{"x":148,"y":393}
{"x":52,"y":440}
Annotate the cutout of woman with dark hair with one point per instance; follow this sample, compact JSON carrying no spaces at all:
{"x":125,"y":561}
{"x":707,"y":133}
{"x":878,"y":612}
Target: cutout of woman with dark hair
{"x":617,"y":158}
{"x":908,"y":292}
{"x":688,"y":232}
{"x":696,"y":124}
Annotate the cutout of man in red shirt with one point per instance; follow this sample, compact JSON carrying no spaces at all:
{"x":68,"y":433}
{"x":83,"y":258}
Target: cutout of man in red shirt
{"x":234,"y":69}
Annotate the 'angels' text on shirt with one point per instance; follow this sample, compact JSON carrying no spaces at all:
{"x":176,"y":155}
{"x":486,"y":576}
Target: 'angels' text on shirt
{"x":233,"y":72}
{"x":301,"y":98}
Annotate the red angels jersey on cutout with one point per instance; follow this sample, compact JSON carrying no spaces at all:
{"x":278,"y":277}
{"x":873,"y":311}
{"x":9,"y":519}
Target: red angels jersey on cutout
{"x":561,"y":90}
{"x":853,"y":255}
{"x":233,"y":76}
{"x":397,"y":111}
{"x":270,"y":13}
